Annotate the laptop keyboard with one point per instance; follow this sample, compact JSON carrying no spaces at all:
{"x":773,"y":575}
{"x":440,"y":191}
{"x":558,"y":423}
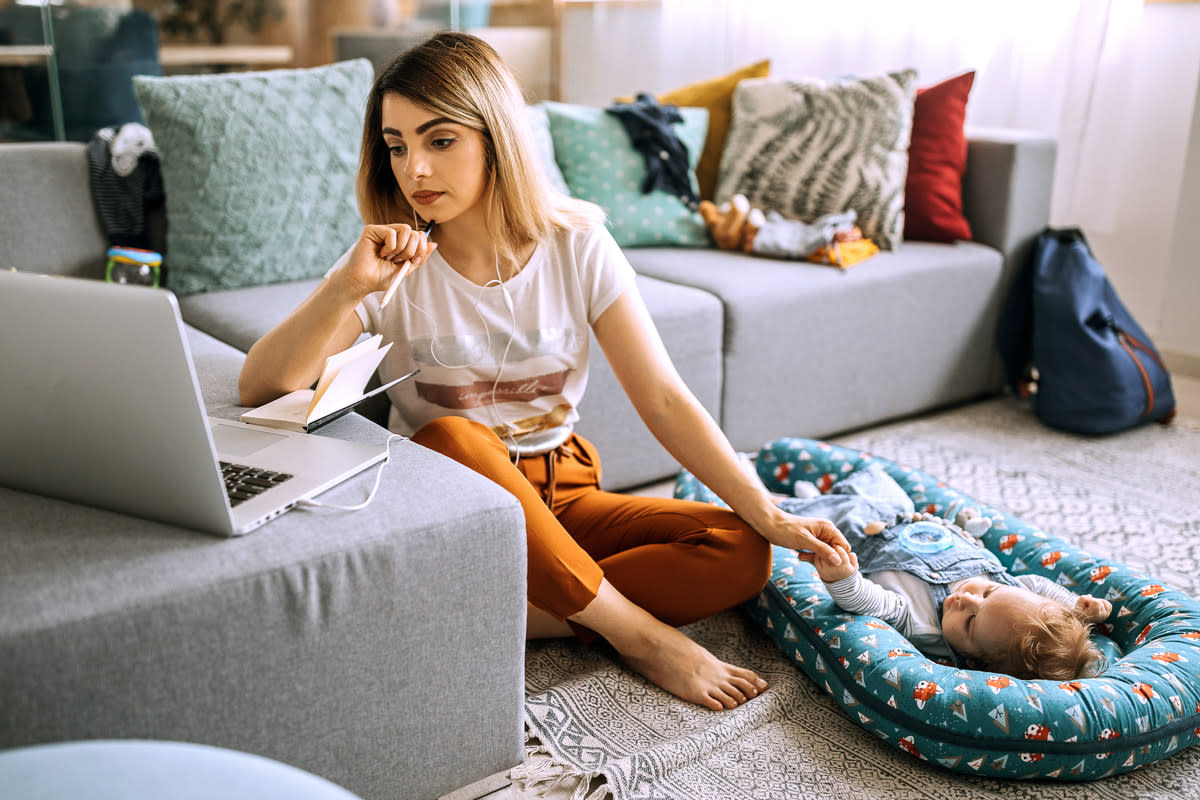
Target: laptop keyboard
{"x":242,"y":482}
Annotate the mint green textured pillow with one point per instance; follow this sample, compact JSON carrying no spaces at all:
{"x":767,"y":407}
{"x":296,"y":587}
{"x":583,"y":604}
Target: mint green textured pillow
{"x":258,"y":170}
{"x":600,"y":165}
{"x":540,"y":122}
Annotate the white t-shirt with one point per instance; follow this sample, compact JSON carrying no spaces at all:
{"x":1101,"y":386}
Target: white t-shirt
{"x":526,"y":386}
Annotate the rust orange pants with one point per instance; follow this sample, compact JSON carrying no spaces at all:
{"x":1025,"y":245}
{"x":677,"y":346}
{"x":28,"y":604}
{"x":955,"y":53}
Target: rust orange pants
{"x":680,"y":560}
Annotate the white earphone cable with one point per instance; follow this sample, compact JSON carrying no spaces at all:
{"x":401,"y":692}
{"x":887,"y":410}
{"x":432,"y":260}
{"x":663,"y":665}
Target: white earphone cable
{"x":498,"y":420}
{"x":311,"y":503}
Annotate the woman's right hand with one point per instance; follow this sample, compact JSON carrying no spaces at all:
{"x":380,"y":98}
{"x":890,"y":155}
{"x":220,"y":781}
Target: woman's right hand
{"x":381,"y":252}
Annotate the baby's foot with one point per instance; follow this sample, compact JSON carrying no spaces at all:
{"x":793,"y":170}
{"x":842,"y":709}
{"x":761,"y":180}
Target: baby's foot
{"x":688,"y":671}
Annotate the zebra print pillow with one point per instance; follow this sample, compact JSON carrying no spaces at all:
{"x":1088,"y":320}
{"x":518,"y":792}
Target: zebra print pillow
{"x":812,"y":147}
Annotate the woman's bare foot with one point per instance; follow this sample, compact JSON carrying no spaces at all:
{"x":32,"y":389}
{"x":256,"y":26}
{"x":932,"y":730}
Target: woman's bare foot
{"x":665,"y":656}
{"x":688,"y":671}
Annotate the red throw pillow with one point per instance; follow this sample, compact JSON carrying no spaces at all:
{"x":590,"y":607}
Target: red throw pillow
{"x":937,"y":158}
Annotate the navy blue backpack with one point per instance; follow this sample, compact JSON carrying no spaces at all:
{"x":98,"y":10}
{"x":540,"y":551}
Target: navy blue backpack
{"x":1068,"y":341}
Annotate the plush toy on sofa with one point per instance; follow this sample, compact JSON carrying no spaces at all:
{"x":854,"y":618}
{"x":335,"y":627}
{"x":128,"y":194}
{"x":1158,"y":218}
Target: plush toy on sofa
{"x":831,"y":239}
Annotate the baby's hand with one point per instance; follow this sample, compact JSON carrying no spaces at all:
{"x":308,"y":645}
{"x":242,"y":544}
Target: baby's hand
{"x":830,"y":572}
{"x":1092,"y":609}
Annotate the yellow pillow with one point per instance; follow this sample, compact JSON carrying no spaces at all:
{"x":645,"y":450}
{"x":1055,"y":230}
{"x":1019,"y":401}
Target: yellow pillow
{"x":717,"y":96}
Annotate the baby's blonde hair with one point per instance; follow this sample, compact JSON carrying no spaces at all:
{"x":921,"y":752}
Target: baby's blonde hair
{"x":1053,"y":644}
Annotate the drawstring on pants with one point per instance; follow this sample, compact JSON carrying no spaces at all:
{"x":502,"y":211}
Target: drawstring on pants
{"x":551,"y":467}
{"x":552,"y":459}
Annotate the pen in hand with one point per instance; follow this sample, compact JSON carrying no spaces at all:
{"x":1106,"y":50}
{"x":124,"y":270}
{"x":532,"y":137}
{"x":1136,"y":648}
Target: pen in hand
{"x":404,"y":270}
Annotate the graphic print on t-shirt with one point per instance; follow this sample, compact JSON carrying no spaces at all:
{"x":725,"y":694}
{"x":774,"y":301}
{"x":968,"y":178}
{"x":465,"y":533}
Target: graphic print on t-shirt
{"x":530,"y":372}
{"x":473,"y":395}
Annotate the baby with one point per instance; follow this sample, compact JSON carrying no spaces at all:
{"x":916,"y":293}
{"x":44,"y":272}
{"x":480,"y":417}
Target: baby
{"x":939,"y":587}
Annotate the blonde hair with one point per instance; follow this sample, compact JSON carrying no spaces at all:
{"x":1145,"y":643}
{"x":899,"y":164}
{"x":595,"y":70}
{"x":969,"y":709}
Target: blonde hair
{"x":460,"y":77}
{"x":1052,"y":644}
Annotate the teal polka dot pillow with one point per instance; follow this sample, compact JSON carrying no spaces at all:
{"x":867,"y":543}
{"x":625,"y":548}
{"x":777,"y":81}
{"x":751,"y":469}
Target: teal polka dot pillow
{"x":599,"y":164}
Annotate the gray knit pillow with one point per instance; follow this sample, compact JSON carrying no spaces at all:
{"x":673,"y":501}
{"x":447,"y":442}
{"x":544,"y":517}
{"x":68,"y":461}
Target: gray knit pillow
{"x":258,"y":170}
{"x":812,"y":147}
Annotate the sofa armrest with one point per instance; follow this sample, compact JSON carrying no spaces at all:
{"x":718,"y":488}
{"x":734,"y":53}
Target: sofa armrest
{"x":1007,"y":189}
{"x":1006,"y":199}
{"x":48,"y":221}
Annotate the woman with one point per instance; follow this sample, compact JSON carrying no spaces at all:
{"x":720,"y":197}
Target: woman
{"x":495,"y":309}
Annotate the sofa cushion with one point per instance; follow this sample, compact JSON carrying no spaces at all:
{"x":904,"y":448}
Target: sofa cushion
{"x":918,"y":326}
{"x":258,"y":170}
{"x":812,"y":147}
{"x":689,"y":320}
{"x":310,"y":640}
{"x":601,"y":165}
{"x":937,"y":159}
{"x":48,"y":221}
{"x":241,"y":317}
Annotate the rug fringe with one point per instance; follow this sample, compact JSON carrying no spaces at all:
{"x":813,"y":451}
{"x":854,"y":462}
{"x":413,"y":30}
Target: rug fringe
{"x":599,"y":793}
{"x":547,"y":774}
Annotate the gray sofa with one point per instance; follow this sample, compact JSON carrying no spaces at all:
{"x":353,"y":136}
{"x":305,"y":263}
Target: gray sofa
{"x":384,"y":651}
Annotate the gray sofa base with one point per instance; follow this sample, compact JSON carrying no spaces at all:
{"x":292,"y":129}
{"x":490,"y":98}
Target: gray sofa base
{"x":342,"y":643}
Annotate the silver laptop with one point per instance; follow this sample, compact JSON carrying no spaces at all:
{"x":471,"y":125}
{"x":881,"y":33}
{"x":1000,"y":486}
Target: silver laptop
{"x":100,"y":405}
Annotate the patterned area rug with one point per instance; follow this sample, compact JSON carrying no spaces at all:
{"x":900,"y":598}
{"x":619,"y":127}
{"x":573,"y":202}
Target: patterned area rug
{"x":595,"y":729}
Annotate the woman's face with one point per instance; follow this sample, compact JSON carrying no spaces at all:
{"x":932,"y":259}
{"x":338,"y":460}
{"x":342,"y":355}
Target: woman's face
{"x":440,"y":165}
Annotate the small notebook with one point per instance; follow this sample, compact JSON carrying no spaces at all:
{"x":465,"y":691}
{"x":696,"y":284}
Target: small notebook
{"x":338,"y":390}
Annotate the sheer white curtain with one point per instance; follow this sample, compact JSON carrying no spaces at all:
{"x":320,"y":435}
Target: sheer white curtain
{"x":1055,"y":66}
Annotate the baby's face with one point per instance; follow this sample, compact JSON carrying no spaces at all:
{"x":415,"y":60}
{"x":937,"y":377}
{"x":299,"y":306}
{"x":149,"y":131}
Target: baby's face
{"x":978,"y":617}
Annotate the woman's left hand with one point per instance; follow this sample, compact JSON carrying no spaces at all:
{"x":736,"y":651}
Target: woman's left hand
{"x":832,"y":573}
{"x":808,"y":536}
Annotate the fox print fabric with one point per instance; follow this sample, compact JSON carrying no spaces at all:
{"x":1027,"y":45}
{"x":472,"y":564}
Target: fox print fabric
{"x":1144,"y":706}
{"x":813,"y":147}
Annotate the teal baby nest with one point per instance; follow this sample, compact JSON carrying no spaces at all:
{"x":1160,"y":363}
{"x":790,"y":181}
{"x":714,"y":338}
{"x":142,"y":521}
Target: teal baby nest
{"x":1142,"y":708}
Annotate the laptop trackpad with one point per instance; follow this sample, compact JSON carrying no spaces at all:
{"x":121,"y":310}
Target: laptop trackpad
{"x":235,"y":442}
